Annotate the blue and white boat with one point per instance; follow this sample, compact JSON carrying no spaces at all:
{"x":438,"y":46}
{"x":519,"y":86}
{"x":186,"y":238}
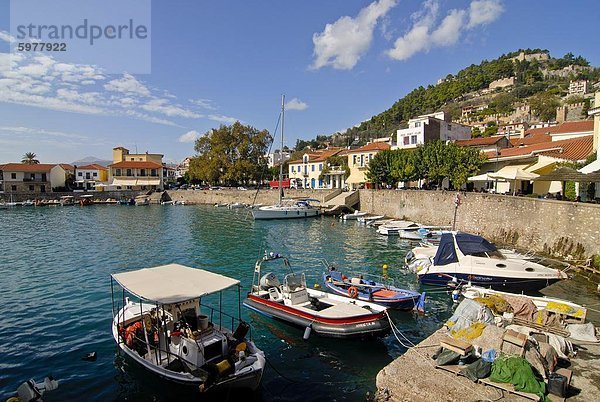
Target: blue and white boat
{"x":362,"y":287}
{"x":467,"y":258}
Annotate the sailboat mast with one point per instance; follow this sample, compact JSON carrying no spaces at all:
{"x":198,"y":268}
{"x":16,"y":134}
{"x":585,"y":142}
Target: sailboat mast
{"x":281,"y":150}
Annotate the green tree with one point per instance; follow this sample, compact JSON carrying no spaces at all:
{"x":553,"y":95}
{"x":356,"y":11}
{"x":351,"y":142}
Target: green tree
{"x":230,"y":154}
{"x":544,"y":105}
{"x":380,"y":168}
{"x":30,"y":159}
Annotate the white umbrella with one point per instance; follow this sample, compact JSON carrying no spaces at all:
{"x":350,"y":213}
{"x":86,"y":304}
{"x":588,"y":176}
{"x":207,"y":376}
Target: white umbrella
{"x":513,"y":173}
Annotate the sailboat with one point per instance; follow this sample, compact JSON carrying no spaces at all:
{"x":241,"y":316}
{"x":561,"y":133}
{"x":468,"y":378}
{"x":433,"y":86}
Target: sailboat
{"x":288,"y":208}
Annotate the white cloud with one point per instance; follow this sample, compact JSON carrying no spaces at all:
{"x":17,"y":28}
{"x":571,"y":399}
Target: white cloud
{"x":6,"y":37}
{"x":483,"y":12}
{"x":342,"y":43}
{"x":128,"y":84}
{"x":296,"y":104}
{"x":163,"y":106}
{"x":203,"y":103}
{"x":424,"y":34}
{"x":39,"y":131}
{"x":190,"y":136}
{"x":222,"y":119}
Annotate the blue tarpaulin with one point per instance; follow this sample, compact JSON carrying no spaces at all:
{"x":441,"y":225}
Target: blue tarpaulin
{"x":467,"y":243}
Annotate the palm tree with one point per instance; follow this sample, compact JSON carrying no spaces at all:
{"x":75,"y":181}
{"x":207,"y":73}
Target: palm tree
{"x":29,"y":159}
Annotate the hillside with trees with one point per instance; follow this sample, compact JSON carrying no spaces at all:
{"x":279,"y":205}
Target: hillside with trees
{"x":535,"y":85}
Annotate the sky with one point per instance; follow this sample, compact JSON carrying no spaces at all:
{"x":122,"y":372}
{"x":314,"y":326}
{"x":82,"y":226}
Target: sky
{"x":338,"y":62}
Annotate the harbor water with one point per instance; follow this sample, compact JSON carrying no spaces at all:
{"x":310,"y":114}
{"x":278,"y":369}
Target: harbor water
{"x":56,"y":296}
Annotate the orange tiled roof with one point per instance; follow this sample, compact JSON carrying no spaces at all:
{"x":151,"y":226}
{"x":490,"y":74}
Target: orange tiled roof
{"x":535,"y":138}
{"x":136,"y":165}
{"x":571,"y":149}
{"x":373,"y":146}
{"x":474,"y":142}
{"x":580,"y":126}
{"x":319,"y":155}
{"x":66,"y":166}
{"x":23,"y":167}
{"x":93,"y":166}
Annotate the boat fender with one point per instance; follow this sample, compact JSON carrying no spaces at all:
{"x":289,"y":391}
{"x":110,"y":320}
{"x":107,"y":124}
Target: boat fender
{"x":455,"y":295}
{"x":307,"y":332}
{"x":353,"y":292}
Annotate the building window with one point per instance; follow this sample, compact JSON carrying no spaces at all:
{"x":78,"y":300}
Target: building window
{"x":118,"y":172}
{"x":129,"y":172}
{"x":95,"y":174}
{"x":31,"y":187}
{"x":142,"y":172}
{"x":312,"y":168}
{"x":42,"y":189}
{"x":13,"y":175}
{"x":13,"y":188}
{"x":417,"y":124}
{"x":293,"y":169}
{"x":413,"y":139}
{"x":449,"y":127}
{"x":320,"y":167}
{"x":80,"y":174}
{"x":406,"y":140}
{"x":354,"y":159}
{"x":32,"y":176}
{"x":153,"y":172}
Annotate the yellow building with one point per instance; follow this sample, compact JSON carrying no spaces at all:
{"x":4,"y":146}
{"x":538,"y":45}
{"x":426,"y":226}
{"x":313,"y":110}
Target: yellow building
{"x":307,"y":172}
{"x":358,"y":162}
{"x":135,"y":171}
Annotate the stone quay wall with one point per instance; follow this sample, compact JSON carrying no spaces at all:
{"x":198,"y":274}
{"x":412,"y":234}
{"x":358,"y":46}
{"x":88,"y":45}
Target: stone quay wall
{"x":226,"y":196}
{"x":102,"y":195}
{"x":557,"y":228}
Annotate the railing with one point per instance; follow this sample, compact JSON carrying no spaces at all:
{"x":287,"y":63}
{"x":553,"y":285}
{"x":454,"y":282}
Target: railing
{"x":38,"y":180}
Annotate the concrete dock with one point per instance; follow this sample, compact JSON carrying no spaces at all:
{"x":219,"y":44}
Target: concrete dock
{"x":413,"y":377}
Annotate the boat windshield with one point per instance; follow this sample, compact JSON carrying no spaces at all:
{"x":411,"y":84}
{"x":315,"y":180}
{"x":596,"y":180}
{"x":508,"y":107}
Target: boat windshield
{"x":294,"y":281}
{"x":477,"y":246}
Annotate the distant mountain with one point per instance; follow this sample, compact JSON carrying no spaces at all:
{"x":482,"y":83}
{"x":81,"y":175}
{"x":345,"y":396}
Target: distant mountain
{"x":88,"y":160}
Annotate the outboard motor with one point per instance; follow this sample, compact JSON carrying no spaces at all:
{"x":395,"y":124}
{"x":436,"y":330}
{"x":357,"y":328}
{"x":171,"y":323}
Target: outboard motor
{"x":269,"y":280}
{"x":241,"y":331}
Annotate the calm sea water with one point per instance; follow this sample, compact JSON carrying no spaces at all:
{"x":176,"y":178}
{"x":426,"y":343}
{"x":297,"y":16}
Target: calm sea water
{"x":56,"y":300}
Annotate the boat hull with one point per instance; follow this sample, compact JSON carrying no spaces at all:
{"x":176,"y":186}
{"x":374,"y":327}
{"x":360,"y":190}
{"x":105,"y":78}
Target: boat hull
{"x":495,"y":282}
{"x":261,"y":213}
{"x":360,"y":327}
{"x":403,"y":303}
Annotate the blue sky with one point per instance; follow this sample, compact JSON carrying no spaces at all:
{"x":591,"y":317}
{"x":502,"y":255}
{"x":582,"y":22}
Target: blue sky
{"x":338,"y":61}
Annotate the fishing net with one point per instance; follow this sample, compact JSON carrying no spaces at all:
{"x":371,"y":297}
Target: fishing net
{"x":495,"y":303}
{"x":469,"y":333}
{"x":565,"y":309}
{"x":517,"y":371}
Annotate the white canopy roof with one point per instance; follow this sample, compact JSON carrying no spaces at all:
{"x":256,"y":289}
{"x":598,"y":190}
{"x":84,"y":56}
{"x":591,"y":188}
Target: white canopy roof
{"x":481,"y":177}
{"x":172,"y":283}
{"x":513,"y":172}
{"x":592,"y":167}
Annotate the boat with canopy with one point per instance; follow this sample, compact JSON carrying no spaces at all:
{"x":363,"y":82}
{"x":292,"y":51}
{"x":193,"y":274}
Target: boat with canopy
{"x":170,"y":333}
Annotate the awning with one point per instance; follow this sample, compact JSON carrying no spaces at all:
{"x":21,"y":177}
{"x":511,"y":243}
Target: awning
{"x":124,"y":182}
{"x":539,"y":165}
{"x":592,"y":167}
{"x":173,"y":283}
{"x":148,"y":181}
{"x":481,"y":177}
{"x":563,"y":174}
{"x":513,"y":172}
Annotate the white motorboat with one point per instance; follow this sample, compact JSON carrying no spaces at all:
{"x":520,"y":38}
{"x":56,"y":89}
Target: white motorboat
{"x":291,"y":208}
{"x":369,"y":219}
{"x":170,"y":333}
{"x":324,"y":313}
{"x":236,"y":205}
{"x":404,"y":229}
{"x":466,"y":258}
{"x":142,"y":200}
{"x":354,"y":216}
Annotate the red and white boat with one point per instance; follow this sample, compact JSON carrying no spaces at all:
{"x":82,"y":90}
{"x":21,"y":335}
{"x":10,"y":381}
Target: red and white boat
{"x":324,"y":313}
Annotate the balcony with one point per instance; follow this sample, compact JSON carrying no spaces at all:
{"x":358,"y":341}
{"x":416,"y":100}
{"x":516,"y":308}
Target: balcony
{"x":36,"y":180}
